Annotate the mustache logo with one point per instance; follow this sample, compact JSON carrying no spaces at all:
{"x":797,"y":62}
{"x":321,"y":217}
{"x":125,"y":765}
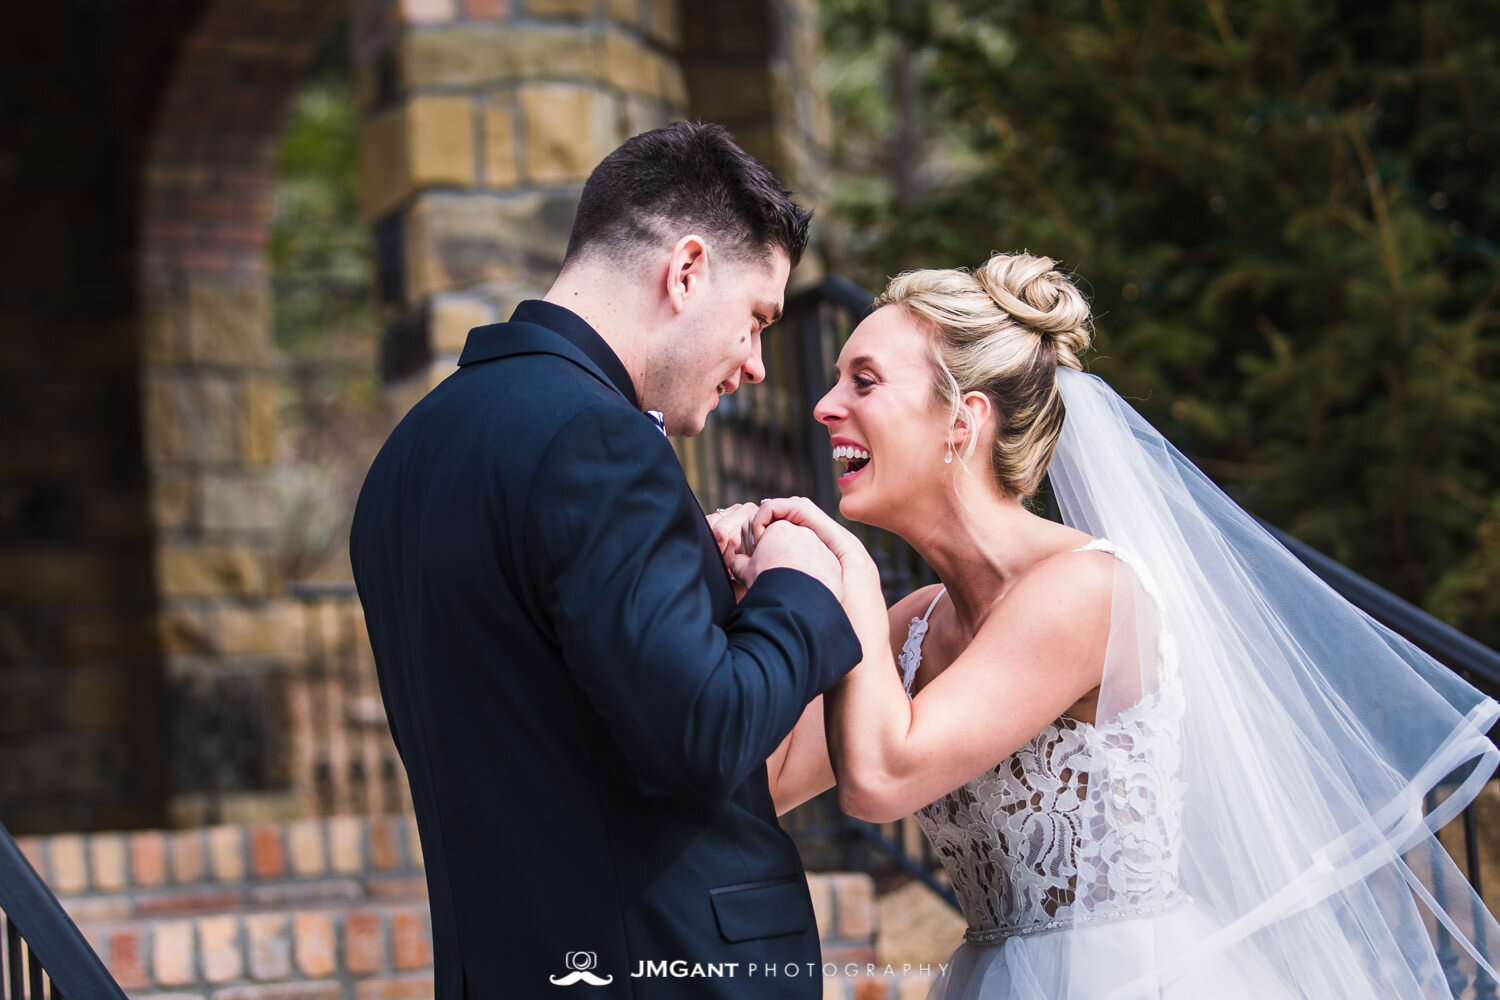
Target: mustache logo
{"x":581,"y":962}
{"x":580,"y":976}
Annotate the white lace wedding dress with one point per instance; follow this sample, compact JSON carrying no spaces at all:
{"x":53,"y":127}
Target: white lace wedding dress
{"x":1064,"y":857}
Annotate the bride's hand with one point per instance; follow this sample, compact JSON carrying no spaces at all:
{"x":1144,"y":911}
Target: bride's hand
{"x":861,"y":576}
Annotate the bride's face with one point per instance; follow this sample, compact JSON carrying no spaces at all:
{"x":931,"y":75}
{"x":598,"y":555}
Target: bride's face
{"x":887,"y":428}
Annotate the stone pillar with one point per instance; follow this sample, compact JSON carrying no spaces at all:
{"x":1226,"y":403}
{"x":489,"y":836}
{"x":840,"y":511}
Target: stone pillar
{"x":482,"y":119}
{"x":751,"y":66}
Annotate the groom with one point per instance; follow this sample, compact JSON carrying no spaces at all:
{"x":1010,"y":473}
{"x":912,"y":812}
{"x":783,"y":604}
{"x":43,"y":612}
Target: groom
{"x":583,"y":710}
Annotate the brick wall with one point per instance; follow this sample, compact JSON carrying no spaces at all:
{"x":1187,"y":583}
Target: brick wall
{"x":327,"y":908}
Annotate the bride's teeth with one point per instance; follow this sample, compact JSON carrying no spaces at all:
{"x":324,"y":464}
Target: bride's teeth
{"x":846,"y":452}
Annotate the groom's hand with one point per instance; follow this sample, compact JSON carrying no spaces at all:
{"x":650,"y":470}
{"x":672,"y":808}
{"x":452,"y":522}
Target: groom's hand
{"x":731,"y":528}
{"x":732,"y":534}
{"x":784,"y":545}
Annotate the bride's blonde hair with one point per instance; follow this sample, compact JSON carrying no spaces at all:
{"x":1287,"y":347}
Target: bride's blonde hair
{"x":1002,"y":330}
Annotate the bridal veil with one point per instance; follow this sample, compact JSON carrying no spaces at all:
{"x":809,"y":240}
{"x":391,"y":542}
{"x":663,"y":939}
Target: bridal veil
{"x":1320,"y":752}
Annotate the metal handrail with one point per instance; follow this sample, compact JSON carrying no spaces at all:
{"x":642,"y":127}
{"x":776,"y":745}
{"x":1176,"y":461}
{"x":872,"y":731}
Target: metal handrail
{"x":58,"y":948}
{"x":1442,"y":641}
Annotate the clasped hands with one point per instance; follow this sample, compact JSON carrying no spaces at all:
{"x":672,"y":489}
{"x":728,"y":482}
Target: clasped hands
{"x":793,"y":533}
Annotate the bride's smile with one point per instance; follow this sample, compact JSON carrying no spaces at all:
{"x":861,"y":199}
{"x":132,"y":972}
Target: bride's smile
{"x":886,"y":427}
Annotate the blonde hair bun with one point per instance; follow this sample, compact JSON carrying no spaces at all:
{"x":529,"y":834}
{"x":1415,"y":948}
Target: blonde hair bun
{"x":1042,"y":298}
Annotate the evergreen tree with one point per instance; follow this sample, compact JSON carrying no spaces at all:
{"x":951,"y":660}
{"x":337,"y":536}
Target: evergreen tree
{"x":1283,"y":212}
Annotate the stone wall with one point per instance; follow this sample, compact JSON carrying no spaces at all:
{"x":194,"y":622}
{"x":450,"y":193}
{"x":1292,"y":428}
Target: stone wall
{"x":81,"y":687}
{"x":144,"y":636}
{"x":481,"y":123}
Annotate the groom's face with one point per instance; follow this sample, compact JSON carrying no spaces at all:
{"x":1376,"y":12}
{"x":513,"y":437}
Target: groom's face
{"x":717,"y":345}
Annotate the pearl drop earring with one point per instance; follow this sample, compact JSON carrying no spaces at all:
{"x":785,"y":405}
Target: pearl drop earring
{"x":948,"y":458}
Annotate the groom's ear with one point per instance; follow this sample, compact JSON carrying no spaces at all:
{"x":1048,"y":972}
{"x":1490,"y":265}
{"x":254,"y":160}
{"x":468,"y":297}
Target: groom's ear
{"x":686,"y":270}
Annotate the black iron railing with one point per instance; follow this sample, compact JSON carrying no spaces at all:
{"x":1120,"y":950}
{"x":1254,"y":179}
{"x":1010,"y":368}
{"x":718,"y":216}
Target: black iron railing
{"x":44,"y":955}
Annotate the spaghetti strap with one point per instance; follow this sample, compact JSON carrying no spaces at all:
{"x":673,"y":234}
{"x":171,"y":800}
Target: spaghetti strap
{"x":934,"y":603}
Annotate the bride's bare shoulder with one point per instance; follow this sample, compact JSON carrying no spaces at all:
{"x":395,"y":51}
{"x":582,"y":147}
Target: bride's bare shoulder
{"x":1067,"y":586}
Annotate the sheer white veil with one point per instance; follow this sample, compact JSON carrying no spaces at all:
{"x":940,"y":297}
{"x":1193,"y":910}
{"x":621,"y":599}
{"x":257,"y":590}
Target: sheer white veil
{"x":1320,"y":751}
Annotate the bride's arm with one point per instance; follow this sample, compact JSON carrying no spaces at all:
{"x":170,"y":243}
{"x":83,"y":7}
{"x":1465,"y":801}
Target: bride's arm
{"x":1039,"y":652}
{"x":799,"y":769}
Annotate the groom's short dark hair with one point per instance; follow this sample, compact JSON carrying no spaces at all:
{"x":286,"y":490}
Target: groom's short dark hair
{"x":686,"y":177}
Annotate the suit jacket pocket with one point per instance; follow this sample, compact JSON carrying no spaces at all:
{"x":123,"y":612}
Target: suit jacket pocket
{"x":763,"y":909}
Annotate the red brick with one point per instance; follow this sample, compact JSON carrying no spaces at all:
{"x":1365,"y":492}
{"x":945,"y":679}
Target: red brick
{"x":364,"y":942}
{"x":427,"y":11}
{"x":385,"y":842}
{"x":821,"y":889}
{"x":402,"y":988}
{"x":854,"y":898}
{"x":284,"y":991}
{"x":843,"y":954}
{"x":127,"y":958}
{"x":189,"y":859}
{"x":189,"y":901}
{"x":219,"y":949}
{"x":35,"y":850}
{"x":148,"y":859}
{"x":346,"y":844}
{"x":414,"y":842}
{"x":286,"y":894}
{"x":99,"y":909}
{"x":402,"y":887}
{"x":305,"y":838}
{"x":268,"y":946}
{"x":267,"y":856}
{"x":172,"y":953}
{"x":226,"y":852}
{"x":493,"y":10}
{"x":316,"y":951}
{"x":69,"y":864}
{"x":411,"y":942}
{"x":107,"y":862}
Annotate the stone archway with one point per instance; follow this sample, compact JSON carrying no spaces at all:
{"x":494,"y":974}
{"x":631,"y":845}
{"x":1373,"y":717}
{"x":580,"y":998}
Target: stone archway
{"x":141,"y":621}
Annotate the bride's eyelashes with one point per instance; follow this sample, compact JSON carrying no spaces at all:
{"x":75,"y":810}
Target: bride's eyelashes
{"x":861,"y":382}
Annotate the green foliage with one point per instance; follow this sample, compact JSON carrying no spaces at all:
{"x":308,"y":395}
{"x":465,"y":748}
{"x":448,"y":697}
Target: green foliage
{"x":319,"y":245}
{"x":332,"y":416}
{"x":1283,"y":212}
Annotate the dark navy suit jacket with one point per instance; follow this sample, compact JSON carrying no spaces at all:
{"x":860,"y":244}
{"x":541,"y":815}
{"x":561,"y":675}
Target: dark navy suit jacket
{"x":583,"y":710}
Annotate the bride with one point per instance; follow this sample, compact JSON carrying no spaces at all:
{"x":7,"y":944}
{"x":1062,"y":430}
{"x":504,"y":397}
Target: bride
{"x":1157,"y":757}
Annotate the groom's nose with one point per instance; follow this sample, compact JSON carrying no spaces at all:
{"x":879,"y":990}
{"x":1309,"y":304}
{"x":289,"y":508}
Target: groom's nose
{"x":754,"y":368}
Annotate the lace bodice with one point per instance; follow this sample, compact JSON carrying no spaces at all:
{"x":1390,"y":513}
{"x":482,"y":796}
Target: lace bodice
{"x":1081,"y":824}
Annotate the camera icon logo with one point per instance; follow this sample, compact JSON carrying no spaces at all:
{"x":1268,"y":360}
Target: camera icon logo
{"x":581,"y":964}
